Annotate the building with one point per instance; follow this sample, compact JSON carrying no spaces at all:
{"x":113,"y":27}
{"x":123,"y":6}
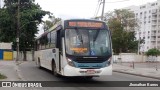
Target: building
{"x":6,"y":52}
{"x":1,"y":3}
{"x":148,"y":17}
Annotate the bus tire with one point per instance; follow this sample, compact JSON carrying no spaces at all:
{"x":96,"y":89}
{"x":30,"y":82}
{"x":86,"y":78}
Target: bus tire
{"x":54,"y":70}
{"x":88,"y":77}
{"x":39,"y":64}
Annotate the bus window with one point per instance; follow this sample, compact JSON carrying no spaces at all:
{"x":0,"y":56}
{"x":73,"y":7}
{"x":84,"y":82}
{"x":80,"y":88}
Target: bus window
{"x":53,"y":39}
{"x":48,"y":40}
{"x":38,"y":45}
{"x":43,"y":41}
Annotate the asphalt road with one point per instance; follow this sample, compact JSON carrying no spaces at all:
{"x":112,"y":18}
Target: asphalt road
{"x":28,"y":71}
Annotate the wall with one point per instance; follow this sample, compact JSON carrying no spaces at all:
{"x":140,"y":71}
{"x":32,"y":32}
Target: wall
{"x":133,"y":57}
{"x":29,"y":55}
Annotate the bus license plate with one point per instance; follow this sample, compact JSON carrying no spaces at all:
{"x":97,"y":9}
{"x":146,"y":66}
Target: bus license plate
{"x":90,"y":71}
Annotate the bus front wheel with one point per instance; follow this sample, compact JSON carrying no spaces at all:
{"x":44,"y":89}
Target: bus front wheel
{"x":88,"y":77}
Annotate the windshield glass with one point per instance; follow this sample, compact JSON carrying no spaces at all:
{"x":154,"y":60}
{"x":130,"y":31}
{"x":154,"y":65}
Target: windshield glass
{"x":84,"y":42}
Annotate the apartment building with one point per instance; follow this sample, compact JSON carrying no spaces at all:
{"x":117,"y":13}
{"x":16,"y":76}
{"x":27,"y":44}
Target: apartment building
{"x":148,"y":17}
{"x":1,"y":3}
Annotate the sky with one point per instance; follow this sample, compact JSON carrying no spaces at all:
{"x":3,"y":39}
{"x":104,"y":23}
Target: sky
{"x":67,"y":9}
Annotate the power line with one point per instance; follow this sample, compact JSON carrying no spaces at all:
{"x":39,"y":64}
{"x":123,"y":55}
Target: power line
{"x":118,"y":1}
{"x":100,"y":2}
{"x":97,"y":8}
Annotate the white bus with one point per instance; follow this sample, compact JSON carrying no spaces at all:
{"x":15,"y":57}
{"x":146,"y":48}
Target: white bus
{"x":76,"y":47}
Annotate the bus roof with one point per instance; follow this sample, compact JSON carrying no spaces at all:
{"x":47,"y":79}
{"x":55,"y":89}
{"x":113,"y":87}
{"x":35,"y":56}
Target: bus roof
{"x":62,"y":24}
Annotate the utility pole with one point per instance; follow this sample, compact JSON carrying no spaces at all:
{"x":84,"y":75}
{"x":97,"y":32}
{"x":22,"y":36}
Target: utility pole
{"x":0,"y":3}
{"x":18,"y":29}
{"x":102,"y":15}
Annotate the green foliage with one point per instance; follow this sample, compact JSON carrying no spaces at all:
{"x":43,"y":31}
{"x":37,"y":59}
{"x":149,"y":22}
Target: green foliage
{"x":122,"y":25}
{"x":2,"y":76}
{"x":49,"y":23}
{"x":29,"y":13}
{"x":153,"y":52}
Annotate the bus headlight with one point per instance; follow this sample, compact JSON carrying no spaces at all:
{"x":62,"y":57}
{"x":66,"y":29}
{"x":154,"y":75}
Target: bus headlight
{"x":70,"y":62}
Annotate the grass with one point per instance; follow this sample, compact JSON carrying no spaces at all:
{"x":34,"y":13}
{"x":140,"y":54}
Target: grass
{"x":2,"y":76}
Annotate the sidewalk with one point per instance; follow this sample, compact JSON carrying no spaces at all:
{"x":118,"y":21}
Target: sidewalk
{"x":139,"y":71}
{"x":9,"y":69}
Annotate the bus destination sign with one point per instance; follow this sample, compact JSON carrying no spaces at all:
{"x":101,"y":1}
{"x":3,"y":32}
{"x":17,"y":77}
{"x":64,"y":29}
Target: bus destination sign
{"x":86,"y":24}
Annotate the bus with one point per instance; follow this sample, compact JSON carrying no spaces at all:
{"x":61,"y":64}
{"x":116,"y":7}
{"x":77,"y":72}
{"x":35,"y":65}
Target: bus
{"x":76,"y":47}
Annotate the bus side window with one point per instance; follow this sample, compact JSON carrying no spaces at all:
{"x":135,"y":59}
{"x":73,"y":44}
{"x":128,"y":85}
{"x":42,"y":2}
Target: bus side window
{"x":48,"y":40}
{"x":53,"y":39}
{"x":43,"y":41}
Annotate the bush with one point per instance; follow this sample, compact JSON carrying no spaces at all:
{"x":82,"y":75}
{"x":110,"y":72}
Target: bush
{"x":2,"y":76}
{"x":153,"y":52}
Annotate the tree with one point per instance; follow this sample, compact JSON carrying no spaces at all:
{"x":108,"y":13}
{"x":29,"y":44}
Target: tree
{"x":29,"y":12}
{"x":49,"y":23}
{"x":153,"y":52}
{"x":122,"y":25}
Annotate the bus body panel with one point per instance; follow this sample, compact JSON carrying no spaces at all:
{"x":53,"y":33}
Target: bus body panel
{"x":72,"y":71}
{"x":46,"y":57}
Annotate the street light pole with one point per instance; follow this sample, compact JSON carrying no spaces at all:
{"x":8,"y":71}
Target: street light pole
{"x":18,"y":29}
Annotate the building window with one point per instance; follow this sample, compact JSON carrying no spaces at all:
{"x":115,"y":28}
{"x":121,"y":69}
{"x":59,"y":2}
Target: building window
{"x":141,"y":15}
{"x":145,"y":12}
{"x":153,"y":4}
{"x":143,"y":37}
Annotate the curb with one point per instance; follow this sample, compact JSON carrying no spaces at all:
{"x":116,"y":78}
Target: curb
{"x":137,"y":74}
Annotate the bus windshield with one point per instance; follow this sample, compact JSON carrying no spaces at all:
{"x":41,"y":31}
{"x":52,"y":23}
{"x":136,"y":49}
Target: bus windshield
{"x":84,"y":42}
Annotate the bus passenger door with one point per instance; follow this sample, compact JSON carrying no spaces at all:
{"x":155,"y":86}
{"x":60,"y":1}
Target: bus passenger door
{"x":58,"y":45}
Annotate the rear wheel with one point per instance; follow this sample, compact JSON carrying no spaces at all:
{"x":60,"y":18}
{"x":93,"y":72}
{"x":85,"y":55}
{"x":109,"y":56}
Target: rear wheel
{"x":39,"y":64}
{"x":54,"y":69}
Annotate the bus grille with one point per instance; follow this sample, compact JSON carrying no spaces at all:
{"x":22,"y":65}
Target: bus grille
{"x":89,"y":60}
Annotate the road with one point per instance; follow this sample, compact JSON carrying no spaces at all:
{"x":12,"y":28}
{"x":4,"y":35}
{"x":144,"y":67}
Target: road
{"x":30,"y":72}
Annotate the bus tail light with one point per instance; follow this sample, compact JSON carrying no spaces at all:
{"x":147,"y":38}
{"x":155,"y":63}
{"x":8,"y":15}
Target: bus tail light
{"x":70,"y":62}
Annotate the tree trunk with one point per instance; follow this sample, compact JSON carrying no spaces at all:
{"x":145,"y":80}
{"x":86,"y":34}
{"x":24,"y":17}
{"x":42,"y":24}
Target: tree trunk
{"x":24,"y":55}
